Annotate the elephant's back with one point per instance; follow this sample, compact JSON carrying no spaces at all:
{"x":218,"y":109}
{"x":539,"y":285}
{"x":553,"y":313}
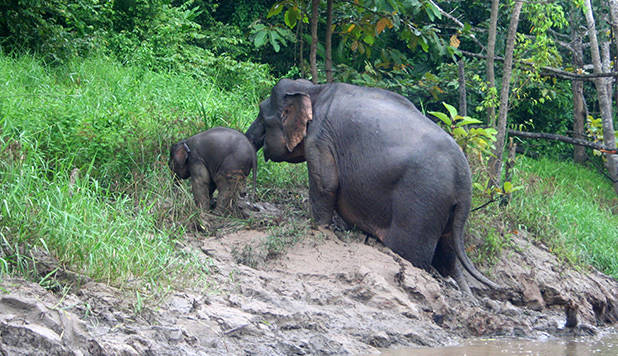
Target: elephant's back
{"x":370,"y":115}
{"x":373,"y":122}
{"x":222,"y":139}
{"x":221,"y":146}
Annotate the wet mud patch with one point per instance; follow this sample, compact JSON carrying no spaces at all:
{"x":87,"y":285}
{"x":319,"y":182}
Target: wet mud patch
{"x":318,"y":293}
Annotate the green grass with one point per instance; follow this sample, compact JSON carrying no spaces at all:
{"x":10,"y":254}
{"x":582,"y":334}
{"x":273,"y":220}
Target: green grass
{"x":119,"y":221}
{"x":90,"y":230}
{"x":123,"y":116}
{"x":569,"y":207}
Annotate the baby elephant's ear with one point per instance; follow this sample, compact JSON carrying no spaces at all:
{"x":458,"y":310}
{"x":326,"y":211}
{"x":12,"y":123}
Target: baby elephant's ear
{"x":297,"y":112}
{"x":180,"y":153}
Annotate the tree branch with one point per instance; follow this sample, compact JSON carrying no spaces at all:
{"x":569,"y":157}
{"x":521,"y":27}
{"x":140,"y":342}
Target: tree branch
{"x":550,"y":71}
{"x":570,"y":140}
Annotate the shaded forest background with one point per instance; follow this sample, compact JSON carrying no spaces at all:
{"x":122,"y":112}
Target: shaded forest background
{"x":412,"y":47}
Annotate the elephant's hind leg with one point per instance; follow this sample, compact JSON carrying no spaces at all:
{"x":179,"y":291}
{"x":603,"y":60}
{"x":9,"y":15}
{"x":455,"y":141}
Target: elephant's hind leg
{"x":229,"y":185}
{"x":414,"y":238}
{"x":446,"y":262}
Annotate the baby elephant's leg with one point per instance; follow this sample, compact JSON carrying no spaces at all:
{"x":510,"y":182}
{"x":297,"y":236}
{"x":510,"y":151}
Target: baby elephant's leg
{"x":200,"y":185}
{"x":229,"y":185}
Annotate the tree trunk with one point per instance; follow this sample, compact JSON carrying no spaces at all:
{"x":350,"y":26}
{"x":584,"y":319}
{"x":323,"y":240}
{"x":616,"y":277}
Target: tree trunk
{"x":508,"y":171}
{"x":603,"y":96}
{"x":296,"y":44}
{"x":579,"y":108}
{"x":606,"y":67}
{"x":613,"y":7}
{"x":579,"y":119}
{"x":301,"y":57}
{"x":314,"y":40}
{"x":329,"y":36}
{"x":463,"y":102}
{"x":495,"y":164}
{"x":491,"y":50}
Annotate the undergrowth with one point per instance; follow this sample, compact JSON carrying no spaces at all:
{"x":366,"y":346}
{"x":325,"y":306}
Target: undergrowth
{"x":83,"y":163}
{"x":84,"y":149}
{"x":567,"y":207}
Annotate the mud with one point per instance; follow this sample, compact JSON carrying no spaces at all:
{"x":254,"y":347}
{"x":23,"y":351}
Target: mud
{"x":326,"y":294}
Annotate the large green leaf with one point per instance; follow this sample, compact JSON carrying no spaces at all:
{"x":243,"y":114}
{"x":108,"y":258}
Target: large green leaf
{"x":467,"y":121}
{"x":442,"y":116}
{"x":423,"y":43}
{"x":369,"y":39}
{"x":291,"y":17}
{"x":260,"y":38}
{"x":274,"y":40}
{"x":451,"y":109}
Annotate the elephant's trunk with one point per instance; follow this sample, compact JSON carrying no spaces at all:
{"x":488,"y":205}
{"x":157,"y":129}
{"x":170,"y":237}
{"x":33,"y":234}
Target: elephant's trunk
{"x":255,"y":133}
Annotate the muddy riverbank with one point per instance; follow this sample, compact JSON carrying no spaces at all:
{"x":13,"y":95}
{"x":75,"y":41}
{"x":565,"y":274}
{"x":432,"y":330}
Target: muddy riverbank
{"x":326,"y":294}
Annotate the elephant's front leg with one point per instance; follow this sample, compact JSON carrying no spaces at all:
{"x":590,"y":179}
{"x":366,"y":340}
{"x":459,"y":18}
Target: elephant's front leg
{"x":200,"y":185}
{"x":323,"y":184}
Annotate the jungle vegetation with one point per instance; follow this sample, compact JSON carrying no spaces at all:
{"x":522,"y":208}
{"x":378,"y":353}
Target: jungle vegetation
{"x":93,"y":92}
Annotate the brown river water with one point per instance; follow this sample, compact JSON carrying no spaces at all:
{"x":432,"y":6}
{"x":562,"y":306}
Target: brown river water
{"x":603,"y":345}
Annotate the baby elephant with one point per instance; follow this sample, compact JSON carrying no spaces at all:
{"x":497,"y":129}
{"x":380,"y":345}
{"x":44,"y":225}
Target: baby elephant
{"x":219,"y":158}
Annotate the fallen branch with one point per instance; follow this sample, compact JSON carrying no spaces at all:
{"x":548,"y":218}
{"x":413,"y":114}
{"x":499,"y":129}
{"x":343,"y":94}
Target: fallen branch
{"x":571,"y":140}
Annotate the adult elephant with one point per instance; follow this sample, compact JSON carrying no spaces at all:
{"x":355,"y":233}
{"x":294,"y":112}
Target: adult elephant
{"x":379,"y":162}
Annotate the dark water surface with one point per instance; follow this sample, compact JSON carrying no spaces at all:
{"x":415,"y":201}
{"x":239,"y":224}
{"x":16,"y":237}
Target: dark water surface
{"x":603,"y":345}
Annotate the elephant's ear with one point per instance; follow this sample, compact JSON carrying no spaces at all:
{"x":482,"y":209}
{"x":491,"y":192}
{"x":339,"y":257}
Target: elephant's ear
{"x":295,"y":116}
{"x":180,"y":154}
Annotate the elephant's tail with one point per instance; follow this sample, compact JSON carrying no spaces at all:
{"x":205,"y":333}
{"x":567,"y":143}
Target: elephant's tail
{"x":460,"y":215}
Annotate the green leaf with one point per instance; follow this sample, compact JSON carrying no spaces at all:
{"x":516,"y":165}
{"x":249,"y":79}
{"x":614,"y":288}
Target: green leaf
{"x":459,"y":132}
{"x":260,"y":39}
{"x":423,"y":43}
{"x":442,"y":116}
{"x":451,"y":109}
{"x":275,"y":10}
{"x":258,"y":27}
{"x":430,"y":13}
{"x":508,"y":187}
{"x":291,"y":17}
{"x":435,"y":11}
{"x":369,"y":39}
{"x":274,"y":36}
{"x":467,"y":121}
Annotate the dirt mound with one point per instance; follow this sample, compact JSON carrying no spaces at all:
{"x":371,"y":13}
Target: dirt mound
{"x":323,"y":296}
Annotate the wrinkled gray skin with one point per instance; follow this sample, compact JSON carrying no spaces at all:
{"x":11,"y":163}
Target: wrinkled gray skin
{"x":379,"y":162}
{"x":219,"y":158}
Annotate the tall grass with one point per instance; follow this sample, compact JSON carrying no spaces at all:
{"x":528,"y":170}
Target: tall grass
{"x":571,"y":208}
{"x":88,"y":229}
{"x":568,"y":207}
{"x":122,"y":116}
{"x":118,"y":220}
